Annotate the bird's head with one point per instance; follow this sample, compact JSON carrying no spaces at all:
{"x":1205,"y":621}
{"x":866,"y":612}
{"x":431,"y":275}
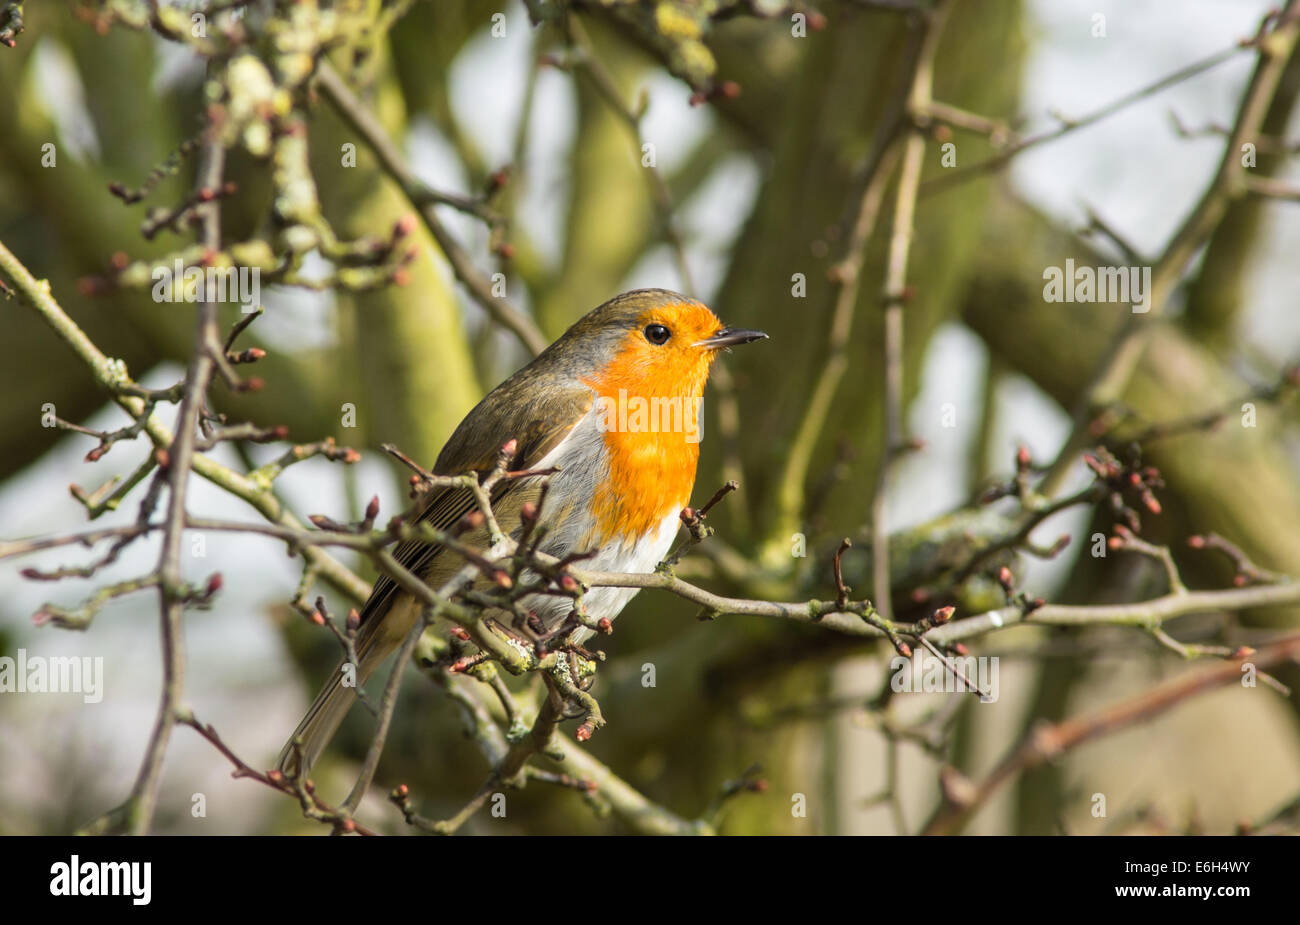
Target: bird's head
{"x":651,"y":343}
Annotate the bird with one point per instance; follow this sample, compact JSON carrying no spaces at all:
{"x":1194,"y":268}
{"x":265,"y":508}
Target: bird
{"x":612,"y":407}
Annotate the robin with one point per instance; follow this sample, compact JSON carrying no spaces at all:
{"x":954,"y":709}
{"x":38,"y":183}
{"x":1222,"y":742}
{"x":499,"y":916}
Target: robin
{"x":612,"y":406}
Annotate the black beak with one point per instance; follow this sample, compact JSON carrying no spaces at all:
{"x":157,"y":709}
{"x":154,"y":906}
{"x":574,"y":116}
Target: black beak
{"x":730,"y":337}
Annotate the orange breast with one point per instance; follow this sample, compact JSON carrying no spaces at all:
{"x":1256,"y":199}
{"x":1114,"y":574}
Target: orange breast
{"x":649,"y":401}
{"x":650,"y":478}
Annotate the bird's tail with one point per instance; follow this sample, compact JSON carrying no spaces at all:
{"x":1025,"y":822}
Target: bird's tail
{"x":375,"y":643}
{"x":319,"y":725}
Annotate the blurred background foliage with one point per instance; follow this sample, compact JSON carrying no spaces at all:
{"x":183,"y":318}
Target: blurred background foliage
{"x":758,"y":185}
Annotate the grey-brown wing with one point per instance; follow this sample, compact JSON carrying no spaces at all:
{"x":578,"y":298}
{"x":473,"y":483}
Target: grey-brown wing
{"x":538,"y":424}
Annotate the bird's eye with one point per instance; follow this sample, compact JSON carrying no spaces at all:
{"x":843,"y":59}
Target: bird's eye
{"x":657,"y":334}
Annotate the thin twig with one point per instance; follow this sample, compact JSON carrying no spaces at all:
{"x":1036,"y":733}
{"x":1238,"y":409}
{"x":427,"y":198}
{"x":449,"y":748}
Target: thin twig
{"x":1276,"y":39}
{"x":364,"y":122}
{"x":895,"y":295}
{"x":1045,"y":743}
{"x":144,"y":795}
